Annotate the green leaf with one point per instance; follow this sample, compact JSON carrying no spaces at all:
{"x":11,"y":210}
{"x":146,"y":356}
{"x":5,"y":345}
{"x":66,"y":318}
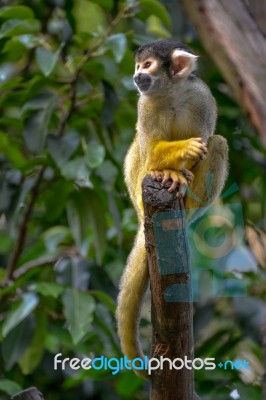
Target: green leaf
{"x":16,"y":27}
{"x":6,"y":71}
{"x":110,"y":103}
{"x":104,"y":298}
{"x":106,"y":4}
{"x":155,"y":27}
{"x":85,"y":211}
{"x":38,"y":102}
{"x":78,"y":309}
{"x":98,"y":224}
{"x":13,"y":51}
{"x":16,"y":12}
{"x":127,"y":384}
{"x":96,"y":69}
{"x":47,"y":289}
{"x":32,"y":357}
{"x":155,"y":7}
{"x":117,"y":44}
{"x":55,"y":236}
{"x":5,"y":242}
{"x":2,"y":278}
{"x":78,"y":219}
{"x":62,"y":148}
{"x":17,"y":341}
{"x":47,"y":60}
{"x":12,"y":151}
{"x":36,"y":126}
{"x":76,"y":170}
{"x":73,"y":271}
{"x":95,"y":155}
{"x":89,"y":17}
{"x":54,"y":208}
{"x":9,"y":387}
{"x":26,"y":306}
{"x":8,"y":81}
{"x":30,"y":41}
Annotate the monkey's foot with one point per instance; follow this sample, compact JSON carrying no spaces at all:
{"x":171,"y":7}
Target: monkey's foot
{"x":177,"y":178}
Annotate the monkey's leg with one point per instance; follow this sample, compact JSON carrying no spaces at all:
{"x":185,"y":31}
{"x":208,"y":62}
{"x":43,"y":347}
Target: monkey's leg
{"x":132,"y":289}
{"x":209,"y":175}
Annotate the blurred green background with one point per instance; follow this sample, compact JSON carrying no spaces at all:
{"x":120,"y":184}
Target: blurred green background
{"x":67,"y":118}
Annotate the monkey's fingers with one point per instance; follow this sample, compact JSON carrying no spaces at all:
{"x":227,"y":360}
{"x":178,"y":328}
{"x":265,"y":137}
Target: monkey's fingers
{"x":197,"y":140}
{"x":196,"y":153}
{"x":199,"y":146}
{"x":196,"y":149}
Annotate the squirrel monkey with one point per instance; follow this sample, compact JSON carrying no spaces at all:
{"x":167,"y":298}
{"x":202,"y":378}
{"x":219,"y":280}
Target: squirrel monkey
{"x":174,"y":141}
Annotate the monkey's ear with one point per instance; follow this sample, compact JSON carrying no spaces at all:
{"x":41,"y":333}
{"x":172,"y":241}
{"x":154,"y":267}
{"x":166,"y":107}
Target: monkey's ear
{"x":183,"y":63}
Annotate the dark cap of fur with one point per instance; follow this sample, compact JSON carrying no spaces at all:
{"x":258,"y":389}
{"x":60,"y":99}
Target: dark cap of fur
{"x":160,"y":48}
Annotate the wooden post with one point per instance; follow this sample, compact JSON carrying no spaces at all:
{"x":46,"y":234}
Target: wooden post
{"x":28,"y":394}
{"x":171,"y":291}
{"x":263,"y":330}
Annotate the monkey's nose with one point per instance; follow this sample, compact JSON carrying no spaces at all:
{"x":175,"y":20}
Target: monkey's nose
{"x":137,"y":77}
{"x":143,"y":81}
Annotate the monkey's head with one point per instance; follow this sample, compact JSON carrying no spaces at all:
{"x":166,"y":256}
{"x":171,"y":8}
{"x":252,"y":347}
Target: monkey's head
{"x":160,"y":64}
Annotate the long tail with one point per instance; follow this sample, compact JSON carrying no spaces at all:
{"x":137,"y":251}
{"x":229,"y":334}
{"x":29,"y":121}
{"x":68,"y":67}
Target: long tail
{"x":132,"y":289}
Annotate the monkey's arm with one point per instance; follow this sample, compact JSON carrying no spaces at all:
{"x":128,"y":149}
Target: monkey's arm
{"x":174,"y":155}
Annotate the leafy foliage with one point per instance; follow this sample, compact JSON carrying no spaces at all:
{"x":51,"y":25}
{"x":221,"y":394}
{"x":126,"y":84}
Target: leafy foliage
{"x":68,"y":112}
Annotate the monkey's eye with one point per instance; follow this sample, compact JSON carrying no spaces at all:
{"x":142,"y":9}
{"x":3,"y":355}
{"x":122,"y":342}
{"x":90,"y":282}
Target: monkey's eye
{"x":147,"y":64}
{"x":138,"y":66}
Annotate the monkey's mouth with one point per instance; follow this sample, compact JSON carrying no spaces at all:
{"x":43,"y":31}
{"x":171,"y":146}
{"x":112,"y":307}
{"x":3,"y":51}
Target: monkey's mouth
{"x":143,"y":82}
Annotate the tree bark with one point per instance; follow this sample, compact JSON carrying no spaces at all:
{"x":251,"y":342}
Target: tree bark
{"x":28,"y":394}
{"x":171,"y":305}
{"x":258,"y":11}
{"x":264,"y":361}
{"x":235,"y":41}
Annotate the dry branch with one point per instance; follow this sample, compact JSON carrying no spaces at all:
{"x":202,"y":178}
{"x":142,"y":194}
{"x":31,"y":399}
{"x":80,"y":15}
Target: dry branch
{"x":23,"y":228}
{"x":236,"y":43}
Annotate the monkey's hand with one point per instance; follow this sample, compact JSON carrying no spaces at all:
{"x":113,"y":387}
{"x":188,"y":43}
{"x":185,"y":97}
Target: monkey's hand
{"x":193,"y":149}
{"x":182,"y":178}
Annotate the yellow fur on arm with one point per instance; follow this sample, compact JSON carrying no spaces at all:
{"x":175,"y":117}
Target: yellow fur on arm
{"x":166,"y":155}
